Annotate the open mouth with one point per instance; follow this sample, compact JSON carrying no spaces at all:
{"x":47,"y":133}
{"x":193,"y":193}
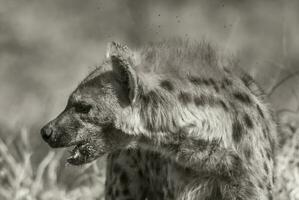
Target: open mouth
{"x":81,"y":153}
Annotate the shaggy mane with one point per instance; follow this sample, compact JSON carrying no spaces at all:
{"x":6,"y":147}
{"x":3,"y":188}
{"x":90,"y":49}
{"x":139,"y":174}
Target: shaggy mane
{"x":179,"y":57}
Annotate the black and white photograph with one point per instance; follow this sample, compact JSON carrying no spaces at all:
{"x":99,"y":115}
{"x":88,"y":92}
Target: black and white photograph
{"x":149,"y":100}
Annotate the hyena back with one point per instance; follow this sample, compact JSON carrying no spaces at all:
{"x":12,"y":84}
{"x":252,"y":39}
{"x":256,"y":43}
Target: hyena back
{"x":174,"y":123}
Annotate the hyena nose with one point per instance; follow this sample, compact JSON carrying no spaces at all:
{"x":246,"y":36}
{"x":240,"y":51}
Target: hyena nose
{"x":46,"y":132}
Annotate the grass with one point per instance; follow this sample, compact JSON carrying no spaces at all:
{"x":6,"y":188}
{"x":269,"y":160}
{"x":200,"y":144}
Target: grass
{"x":21,"y":180}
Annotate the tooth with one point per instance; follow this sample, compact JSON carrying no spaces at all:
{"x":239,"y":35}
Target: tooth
{"x":76,"y":155}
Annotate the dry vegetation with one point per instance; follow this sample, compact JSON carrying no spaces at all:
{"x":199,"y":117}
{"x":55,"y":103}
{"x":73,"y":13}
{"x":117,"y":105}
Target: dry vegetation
{"x":20,"y":180}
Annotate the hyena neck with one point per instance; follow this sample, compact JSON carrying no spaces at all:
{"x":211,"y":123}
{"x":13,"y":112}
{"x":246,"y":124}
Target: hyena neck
{"x":181,"y":133}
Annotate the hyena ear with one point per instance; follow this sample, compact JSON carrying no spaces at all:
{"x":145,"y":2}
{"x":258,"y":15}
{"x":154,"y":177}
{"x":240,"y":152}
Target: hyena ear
{"x":123,"y":62}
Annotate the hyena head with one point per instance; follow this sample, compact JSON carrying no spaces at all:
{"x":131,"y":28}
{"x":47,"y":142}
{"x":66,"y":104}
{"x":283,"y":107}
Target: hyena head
{"x":88,"y":121}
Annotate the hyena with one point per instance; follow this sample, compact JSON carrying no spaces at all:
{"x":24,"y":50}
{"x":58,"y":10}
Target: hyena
{"x":174,"y":123}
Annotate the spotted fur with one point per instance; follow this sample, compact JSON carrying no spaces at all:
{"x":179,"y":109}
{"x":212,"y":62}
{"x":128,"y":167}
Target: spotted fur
{"x":174,"y":123}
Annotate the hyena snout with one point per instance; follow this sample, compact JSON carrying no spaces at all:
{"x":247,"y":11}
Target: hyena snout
{"x":55,"y":137}
{"x":46,"y":132}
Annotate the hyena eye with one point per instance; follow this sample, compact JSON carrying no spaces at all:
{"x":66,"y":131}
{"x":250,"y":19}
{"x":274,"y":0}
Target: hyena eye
{"x":82,"y":108}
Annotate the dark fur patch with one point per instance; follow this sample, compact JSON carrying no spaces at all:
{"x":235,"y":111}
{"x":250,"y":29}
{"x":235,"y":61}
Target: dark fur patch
{"x":248,"y":121}
{"x":247,"y":153}
{"x":265,"y":133}
{"x":138,"y":154}
{"x":116,"y":168}
{"x":242,"y":97}
{"x":158,"y":169}
{"x":116,"y":193}
{"x":247,"y":80}
{"x":261,"y":185}
{"x":185,"y":97}
{"x":237,"y":168}
{"x":262,"y":153}
{"x":207,"y":82}
{"x":200,"y":81}
{"x":237,"y":131}
{"x":195,"y":80}
{"x":223,"y":105}
{"x":260,"y":111}
{"x":126,"y":191}
{"x":109,"y":191}
{"x":214,"y":84}
{"x":128,"y":152}
{"x":124,"y":178}
{"x":209,"y":100}
{"x":159,"y":195}
{"x":271,"y":141}
{"x":167,"y":85}
{"x":216,"y":88}
{"x":199,"y":144}
{"x":215,"y":192}
{"x":226,"y":70}
{"x":200,"y":100}
{"x":226,"y":83}
{"x":205,"y":100}
{"x":268,"y":154}
{"x":266,"y":167}
{"x":212,"y":81}
{"x":140,"y":173}
{"x":148,"y":98}
{"x":269,"y":187}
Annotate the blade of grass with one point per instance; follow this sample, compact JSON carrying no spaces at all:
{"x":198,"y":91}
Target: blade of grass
{"x":38,"y":183}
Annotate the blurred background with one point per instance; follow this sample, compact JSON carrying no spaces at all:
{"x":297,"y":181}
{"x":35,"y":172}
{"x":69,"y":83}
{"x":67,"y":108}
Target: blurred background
{"x":47,"y":47}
